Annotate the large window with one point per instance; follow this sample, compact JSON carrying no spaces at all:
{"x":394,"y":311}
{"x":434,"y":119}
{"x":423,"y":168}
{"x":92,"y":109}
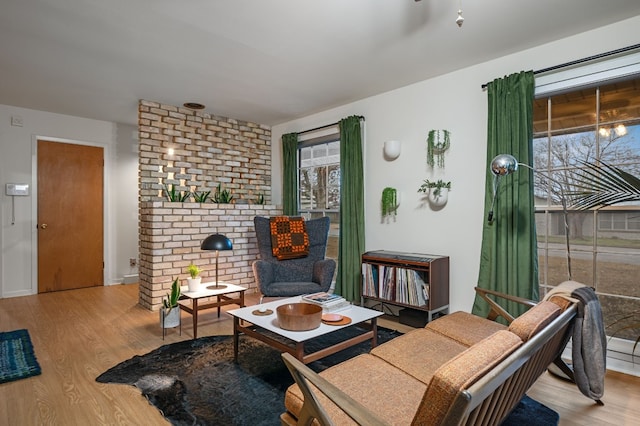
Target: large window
{"x":319,"y":186}
{"x":594,"y":124}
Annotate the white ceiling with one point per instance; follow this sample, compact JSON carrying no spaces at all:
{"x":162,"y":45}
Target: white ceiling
{"x":265,"y":61}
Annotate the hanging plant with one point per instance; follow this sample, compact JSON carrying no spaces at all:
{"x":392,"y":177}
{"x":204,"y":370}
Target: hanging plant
{"x":437,"y":191}
{"x":437,"y":186}
{"x":437,"y":143}
{"x":389,"y":203}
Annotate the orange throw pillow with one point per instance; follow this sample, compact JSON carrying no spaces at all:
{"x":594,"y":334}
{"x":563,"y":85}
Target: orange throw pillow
{"x":289,"y":238}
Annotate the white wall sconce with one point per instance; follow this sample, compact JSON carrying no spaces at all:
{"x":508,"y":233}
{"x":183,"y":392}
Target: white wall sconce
{"x":391,"y":150}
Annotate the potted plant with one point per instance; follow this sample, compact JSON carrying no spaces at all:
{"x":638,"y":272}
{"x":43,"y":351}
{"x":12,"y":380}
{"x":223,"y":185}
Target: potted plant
{"x":389,"y":202}
{"x":170,"y":317}
{"x":437,"y":191}
{"x":194,"y":281}
{"x":222,"y":196}
{"x":175,"y":196}
{"x":201,"y":196}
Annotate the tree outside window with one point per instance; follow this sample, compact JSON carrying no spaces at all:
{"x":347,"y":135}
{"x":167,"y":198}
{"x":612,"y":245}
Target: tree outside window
{"x":589,"y":125}
{"x":319,"y":183}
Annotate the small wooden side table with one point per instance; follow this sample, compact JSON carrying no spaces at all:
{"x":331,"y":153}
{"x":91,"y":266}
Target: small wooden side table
{"x":224,"y":296}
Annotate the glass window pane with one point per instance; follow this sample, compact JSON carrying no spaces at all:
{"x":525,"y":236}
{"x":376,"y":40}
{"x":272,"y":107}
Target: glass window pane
{"x":305,"y":157}
{"x":621,"y":317}
{"x":333,"y":149}
{"x":540,"y":117}
{"x":573,"y":112}
{"x":307,"y":182}
{"x":333,"y":187}
{"x":619,"y":102}
{"x":618,"y":272}
{"x":633,"y":221}
{"x":594,"y":124}
{"x":320,"y":188}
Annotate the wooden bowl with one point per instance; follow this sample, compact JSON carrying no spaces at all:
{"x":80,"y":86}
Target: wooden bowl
{"x":299,"y":316}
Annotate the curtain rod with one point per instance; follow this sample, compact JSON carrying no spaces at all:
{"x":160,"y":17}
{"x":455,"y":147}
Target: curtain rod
{"x":583,"y":60}
{"x":325,"y":126}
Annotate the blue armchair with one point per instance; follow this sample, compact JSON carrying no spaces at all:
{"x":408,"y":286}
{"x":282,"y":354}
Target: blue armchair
{"x":292,"y":277}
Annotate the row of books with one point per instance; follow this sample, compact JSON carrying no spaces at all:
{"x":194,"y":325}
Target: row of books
{"x":330,"y":302}
{"x":394,"y":284}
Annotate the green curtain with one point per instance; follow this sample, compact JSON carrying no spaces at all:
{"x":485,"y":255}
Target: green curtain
{"x":351,"y":245}
{"x":508,"y":258}
{"x":290,"y":174}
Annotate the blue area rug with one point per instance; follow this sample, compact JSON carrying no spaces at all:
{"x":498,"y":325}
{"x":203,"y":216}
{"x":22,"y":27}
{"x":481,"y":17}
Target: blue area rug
{"x":197,"y":382}
{"x":17,"y":359}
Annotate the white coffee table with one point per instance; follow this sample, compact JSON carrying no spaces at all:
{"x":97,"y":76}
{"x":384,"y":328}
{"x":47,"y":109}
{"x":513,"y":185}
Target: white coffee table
{"x":205,"y":290}
{"x":248,"y":321}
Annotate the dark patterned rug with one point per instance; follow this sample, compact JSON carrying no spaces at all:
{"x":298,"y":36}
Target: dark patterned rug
{"x":17,"y":358}
{"x":196,"y":382}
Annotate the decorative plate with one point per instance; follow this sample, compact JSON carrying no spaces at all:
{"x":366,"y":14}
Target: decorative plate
{"x":343,"y":321}
{"x":331,"y":317}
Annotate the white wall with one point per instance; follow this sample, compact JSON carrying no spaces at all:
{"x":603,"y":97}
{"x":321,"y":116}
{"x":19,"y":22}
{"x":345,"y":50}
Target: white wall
{"x":455,"y":102}
{"x":17,"y":155}
{"x":124,"y":196}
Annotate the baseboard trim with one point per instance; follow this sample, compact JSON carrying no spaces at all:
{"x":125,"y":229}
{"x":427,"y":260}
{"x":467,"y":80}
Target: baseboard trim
{"x":130,"y":279}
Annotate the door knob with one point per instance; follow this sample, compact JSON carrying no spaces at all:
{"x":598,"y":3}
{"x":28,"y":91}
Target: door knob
{"x":43,"y":226}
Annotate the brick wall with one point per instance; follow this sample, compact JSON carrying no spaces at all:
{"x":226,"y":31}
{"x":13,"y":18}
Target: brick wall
{"x":170,"y":238}
{"x":207,"y":151}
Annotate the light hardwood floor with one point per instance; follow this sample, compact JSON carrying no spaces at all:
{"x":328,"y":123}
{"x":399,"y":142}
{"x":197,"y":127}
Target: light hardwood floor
{"x":78,"y":334}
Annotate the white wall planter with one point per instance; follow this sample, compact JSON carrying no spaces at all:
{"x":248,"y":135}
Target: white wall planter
{"x":440,"y":199}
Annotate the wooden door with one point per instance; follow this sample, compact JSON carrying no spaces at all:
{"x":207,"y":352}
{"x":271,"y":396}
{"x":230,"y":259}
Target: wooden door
{"x":70,"y":216}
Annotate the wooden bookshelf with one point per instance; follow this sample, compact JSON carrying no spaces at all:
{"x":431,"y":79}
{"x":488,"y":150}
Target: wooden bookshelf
{"x":407,"y":280}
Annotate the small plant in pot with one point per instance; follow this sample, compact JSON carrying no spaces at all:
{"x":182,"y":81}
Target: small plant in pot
{"x":170,"y":317}
{"x":222,"y":196}
{"x":175,"y":196}
{"x":194,"y":281}
{"x":201,"y":196}
{"x":437,"y":191}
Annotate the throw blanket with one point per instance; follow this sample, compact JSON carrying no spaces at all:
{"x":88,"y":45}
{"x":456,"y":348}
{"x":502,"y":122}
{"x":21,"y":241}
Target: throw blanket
{"x":589,"y":347}
{"x":289,"y":238}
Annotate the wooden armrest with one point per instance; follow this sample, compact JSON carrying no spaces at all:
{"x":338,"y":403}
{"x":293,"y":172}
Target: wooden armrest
{"x":495,"y":309}
{"x":311,"y":407}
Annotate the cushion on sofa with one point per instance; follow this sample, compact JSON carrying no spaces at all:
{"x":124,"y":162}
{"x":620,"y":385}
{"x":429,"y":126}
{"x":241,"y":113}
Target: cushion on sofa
{"x":560,"y":301}
{"x":534,"y":320}
{"x":460,"y":373}
{"x":360,"y":377}
{"x":464,"y":327}
{"x":419,"y":352}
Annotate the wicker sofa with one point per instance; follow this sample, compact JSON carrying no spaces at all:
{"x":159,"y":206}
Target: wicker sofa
{"x":458,"y":369}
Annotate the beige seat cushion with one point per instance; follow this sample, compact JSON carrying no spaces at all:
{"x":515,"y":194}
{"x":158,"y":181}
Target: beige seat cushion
{"x":535,"y":319}
{"x":460,"y":373}
{"x":465,"y":328}
{"x":419,"y":352}
{"x":359,"y":378}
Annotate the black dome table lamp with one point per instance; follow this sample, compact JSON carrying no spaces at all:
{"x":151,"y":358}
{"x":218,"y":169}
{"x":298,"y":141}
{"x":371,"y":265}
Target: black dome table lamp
{"x":216,"y":242}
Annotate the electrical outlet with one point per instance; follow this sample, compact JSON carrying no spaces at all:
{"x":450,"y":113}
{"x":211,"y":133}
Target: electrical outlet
{"x":132,"y":262}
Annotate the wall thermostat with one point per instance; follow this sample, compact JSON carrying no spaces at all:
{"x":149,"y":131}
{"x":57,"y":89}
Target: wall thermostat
{"x":17,"y":189}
